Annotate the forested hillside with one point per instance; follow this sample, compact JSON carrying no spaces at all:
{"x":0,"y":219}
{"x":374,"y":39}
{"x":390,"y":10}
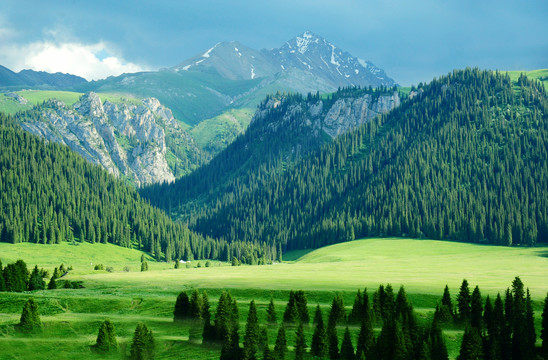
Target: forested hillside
{"x":285,"y":129}
{"x":465,"y":159}
{"x":49,"y":194}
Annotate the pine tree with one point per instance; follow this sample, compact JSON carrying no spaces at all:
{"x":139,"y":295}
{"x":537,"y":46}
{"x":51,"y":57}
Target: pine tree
{"x":106,"y":338}
{"x":476,"y":309}
{"x":437,"y":349}
{"x":142,"y":346}
{"x":267,"y":354}
{"x":209,"y":331}
{"x":271,"y":312}
{"x":531,"y":335}
{"x":366,"y":339}
{"x":332,"y":338}
{"x":144,"y":266}
{"x":2,"y":282}
{"x":347,"y":349}
{"x":291,"y":313}
{"x":319,"y":346}
{"x":36,"y":282}
{"x":544,"y":327}
{"x":30,"y":318}
{"x":196,"y":305}
{"x":463,"y":302}
{"x":280,"y":348}
{"x":52,"y":284}
{"x":300,"y":343}
{"x":356,"y":314}
{"x":471,"y":346}
{"x":337,"y":312}
{"x":182,"y":307}
{"x":251,"y":337}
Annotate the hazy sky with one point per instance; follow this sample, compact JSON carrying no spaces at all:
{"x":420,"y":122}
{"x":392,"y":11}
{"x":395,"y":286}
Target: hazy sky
{"x":412,"y":41}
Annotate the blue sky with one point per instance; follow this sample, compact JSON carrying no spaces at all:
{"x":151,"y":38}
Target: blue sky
{"x":412,"y":41}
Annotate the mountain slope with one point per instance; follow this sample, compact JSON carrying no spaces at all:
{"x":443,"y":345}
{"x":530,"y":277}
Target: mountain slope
{"x":49,"y":194}
{"x":232,"y":75}
{"x":285,"y":129}
{"x":140,"y":141}
{"x":466,"y":159}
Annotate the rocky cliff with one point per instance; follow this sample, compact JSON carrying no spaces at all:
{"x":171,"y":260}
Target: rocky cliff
{"x":139,"y":141}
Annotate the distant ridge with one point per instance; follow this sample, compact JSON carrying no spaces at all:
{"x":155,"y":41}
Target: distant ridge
{"x":38,"y":79}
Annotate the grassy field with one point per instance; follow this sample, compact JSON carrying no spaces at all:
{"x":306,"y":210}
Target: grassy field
{"x":541,"y":74}
{"x":72,"y":317}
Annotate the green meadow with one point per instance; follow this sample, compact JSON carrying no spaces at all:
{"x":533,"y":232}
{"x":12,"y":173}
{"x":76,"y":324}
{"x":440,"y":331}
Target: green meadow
{"x":71,"y":317}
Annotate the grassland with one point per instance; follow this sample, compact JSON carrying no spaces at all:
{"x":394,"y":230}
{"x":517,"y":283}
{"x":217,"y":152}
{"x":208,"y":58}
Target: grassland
{"x":71,"y":317}
{"x":541,"y":74}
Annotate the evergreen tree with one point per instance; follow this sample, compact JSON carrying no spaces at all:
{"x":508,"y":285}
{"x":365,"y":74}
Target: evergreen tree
{"x":142,"y":346}
{"x":366,"y":339}
{"x":332,"y":339}
{"x":544,"y":327}
{"x":30,"y":318}
{"x":182,"y":307}
{"x":390,"y":343}
{"x":271,"y":312}
{"x":300,"y":343}
{"x":36,"y":282}
{"x":337,"y":312}
{"x":291,"y":313}
{"x":356,"y":314}
{"x":463,"y":302}
{"x":476,"y":309}
{"x":437,"y":348}
{"x":106,"y":338}
{"x":209,"y":331}
{"x":319,"y":346}
{"x":267,"y":354}
{"x":144,"y":266}
{"x":196,"y":305}
{"x":280,"y":348}
{"x":52,"y":284}
{"x":252,"y":333}
{"x":471,"y":346}
{"x":347,"y":349}
{"x":302,"y":307}
{"x":531,"y":335}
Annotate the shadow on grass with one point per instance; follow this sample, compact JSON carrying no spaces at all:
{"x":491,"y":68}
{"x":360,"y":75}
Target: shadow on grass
{"x":296,"y":254}
{"x":543,"y":254}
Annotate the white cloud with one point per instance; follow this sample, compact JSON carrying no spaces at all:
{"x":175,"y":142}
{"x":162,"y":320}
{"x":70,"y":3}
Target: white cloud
{"x":93,"y":62}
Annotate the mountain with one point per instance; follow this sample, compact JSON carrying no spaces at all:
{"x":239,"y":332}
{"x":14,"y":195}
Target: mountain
{"x":38,"y":79}
{"x":138,"y":140}
{"x":306,"y":53}
{"x":464,"y":159}
{"x":49,"y":194}
{"x":232,"y":75}
{"x":316,"y":55}
{"x":285,"y":129}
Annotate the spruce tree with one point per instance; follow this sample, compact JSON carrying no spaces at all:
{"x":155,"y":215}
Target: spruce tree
{"x":471,"y":347}
{"x":142,"y":346}
{"x":437,"y":349}
{"x":30,"y":318}
{"x":209,"y":331}
{"x":332,"y":339}
{"x":356,"y":314}
{"x":476,"y":309}
{"x":196,"y":304}
{"x":347,"y":349}
{"x":52,"y":284}
{"x":280,"y":348}
{"x":106,"y":338}
{"x":267,"y":354}
{"x":337,"y":312}
{"x":319,"y":346}
{"x":2,"y":282}
{"x":366,"y":339}
{"x":531,"y":335}
{"x":36,"y":282}
{"x":291,"y":313}
{"x":544,"y":327}
{"x":182,"y":307}
{"x":271,"y":312}
{"x":251,"y":337}
{"x":463,"y":302}
{"x":300,"y":343}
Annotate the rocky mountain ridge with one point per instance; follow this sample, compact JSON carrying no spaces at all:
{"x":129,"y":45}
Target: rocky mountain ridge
{"x":128,"y":139}
{"x":307,"y":52}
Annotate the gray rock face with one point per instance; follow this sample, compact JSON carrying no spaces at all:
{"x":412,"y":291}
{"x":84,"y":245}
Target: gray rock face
{"x":349,"y":113}
{"x":127,"y":139}
{"x":342,"y":116}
